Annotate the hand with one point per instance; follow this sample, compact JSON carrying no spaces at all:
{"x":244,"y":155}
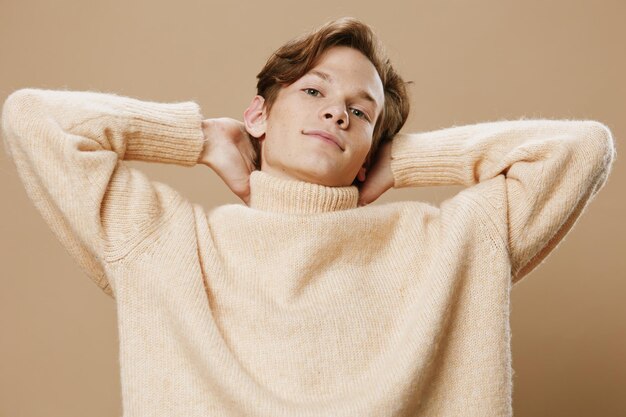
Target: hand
{"x":379,"y":178}
{"x":229,"y":152}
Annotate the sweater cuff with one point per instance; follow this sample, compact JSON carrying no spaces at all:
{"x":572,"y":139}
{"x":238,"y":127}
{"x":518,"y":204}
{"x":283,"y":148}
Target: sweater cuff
{"x":425,"y":159}
{"x":164,"y":132}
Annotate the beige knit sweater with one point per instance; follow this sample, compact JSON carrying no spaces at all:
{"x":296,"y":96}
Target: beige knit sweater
{"x":304,"y":304}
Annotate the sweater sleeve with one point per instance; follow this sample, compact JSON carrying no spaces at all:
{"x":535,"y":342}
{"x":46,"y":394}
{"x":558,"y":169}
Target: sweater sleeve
{"x":69,"y":148}
{"x":551,"y":168}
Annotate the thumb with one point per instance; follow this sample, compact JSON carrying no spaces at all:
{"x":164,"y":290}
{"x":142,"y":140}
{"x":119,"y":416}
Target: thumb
{"x":368,"y":193}
{"x":374,"y":186}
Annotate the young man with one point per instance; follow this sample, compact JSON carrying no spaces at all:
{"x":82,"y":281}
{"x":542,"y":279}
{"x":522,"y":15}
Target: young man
{"x":302,"y":303}
{"x":356,"y":107}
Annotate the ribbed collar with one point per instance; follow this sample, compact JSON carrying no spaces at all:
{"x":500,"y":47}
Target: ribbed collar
{"x":271,"y":193}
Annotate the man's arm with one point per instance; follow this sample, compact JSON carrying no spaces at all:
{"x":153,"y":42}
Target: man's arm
{"x":69,"y":149}
{"x":228,"y":151}
{"x":552,"y":169}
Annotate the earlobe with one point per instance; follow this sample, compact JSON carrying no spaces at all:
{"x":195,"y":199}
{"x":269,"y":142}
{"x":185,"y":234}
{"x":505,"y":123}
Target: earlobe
{"x":254,"y":117}
{"x":361,"y":174}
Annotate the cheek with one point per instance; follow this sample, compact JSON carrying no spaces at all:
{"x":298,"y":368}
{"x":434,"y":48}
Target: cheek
{"x":364,"y":143}
{"x":278,"y":144}
{"x":283,"y":122}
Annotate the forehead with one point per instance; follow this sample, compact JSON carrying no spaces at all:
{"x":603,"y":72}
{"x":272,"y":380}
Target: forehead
{"x":351,"y":69}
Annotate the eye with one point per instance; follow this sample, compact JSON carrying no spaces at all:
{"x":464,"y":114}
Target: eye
{"x":359,"y":113}
{"x":312,"y":92}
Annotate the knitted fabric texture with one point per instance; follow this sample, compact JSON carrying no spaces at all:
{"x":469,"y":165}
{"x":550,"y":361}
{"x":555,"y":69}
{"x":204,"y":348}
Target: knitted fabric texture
{"x":304,"y":304}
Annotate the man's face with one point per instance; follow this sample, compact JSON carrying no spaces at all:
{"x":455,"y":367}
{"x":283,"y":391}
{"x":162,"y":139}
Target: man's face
{"x":340,"y":97}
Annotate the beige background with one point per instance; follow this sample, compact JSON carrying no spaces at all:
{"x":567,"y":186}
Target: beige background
{"x":470,"y":61}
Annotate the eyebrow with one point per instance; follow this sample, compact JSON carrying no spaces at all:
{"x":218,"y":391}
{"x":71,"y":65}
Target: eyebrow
{"x":326,"y":77}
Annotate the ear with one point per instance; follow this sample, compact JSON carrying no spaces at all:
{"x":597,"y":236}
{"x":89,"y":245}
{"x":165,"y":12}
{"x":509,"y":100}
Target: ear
{"x":255,"y":116}
{"x":361,"y":174}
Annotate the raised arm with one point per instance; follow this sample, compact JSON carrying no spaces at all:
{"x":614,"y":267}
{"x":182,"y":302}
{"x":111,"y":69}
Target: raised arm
{"x":69,"y":149}
{"x":551,"y":170}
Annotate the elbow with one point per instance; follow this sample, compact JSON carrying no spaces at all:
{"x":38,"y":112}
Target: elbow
{"x":599,"y":146}
{"x":18,"y":98}
{"x":16,"y":109}
{"x":605,"y":141}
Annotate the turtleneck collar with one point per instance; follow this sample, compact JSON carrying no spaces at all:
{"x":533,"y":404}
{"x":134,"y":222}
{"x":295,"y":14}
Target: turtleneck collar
{"x":271,"y":193}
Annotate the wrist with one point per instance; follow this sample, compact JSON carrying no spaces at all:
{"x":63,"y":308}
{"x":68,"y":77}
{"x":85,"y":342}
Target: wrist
{"x":203,"y":158}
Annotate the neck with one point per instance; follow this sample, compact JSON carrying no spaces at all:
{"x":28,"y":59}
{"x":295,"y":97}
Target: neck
{"x":272,"y":193}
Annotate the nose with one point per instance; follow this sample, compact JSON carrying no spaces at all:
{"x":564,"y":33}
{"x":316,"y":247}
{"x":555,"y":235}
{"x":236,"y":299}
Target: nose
{"x":338,"y":114}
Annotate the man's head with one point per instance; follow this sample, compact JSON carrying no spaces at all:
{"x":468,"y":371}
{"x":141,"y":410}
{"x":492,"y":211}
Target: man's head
{"x":335,"y":81}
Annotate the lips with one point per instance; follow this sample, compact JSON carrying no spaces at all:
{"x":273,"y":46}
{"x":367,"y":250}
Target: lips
{"x":326,"y":135}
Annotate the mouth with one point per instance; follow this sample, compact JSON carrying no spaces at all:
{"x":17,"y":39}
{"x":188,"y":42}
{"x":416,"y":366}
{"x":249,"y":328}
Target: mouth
{"x":328,"y":137}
